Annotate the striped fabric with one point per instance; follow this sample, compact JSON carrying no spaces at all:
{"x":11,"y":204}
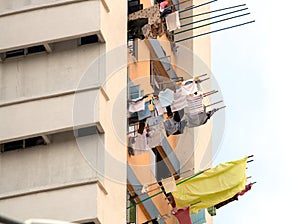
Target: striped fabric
{"x":195,"y":104}
{"x":179,"y":100}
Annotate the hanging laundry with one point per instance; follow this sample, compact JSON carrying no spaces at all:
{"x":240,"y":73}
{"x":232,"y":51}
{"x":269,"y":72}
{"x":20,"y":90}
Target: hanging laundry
{"x":247,"y":188}
{"x":166,"y":97}
{"x":180,"y":101}
{"x":213,"y":186}
{"x":144,"y":189}
{"x":152,"y":13}
{"x":196,"y":120}
{"x":154,"y":138}
{"x":131,"y":141}
{"x":199,"y":218}
{"x":169,"y":184}
{"x":221,"y":204}
{"x":167,"y":11}
{"x":141,"y":144}
{"x":135,"y":28}
{"x":212,"y":210}
{"x":158,"y":107}
{"x":136,"y":106}
{"x":194,"y":104}
{"x":189,"y":87}
{"x":183,"y":215}
{"x":162,"y":5}
{"x":172,"y":21}
{"x":153,"y":30}
{"x":180,"y":130}
{"x":142,"y":114}
{"x":171,"y":126}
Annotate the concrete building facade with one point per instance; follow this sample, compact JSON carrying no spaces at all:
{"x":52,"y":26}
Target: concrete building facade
{"x":56,"y":103}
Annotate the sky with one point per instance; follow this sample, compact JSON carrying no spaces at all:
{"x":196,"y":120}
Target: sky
{"x":257,"y":69}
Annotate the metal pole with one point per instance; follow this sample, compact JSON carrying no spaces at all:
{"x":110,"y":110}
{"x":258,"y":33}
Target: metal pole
{"x":201,"y":20}
{"x":197,"y":6}
{"x":214,"y":103}
{"x":211,"y":23}
{"x":202,"y":80}
{"x":214,"y":31}
{"x":158,"y":193}
{"x":204,"y":13}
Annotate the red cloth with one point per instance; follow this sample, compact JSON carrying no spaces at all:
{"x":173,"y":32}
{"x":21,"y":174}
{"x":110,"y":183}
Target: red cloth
{"x":163,"y":4}
{"x":183,"y":215}
{"x":247,"y":188}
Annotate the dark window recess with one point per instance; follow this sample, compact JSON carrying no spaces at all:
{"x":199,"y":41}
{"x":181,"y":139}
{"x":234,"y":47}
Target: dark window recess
{"x":86,"y":131}
{"x":88,"y":223}
{"x":134,"y":6}
{"x":36,"y":49}
{"x":34,"y":141}
{"x":21,"y":144}
{"x":89,"y":39}
{"x":15,"y":53}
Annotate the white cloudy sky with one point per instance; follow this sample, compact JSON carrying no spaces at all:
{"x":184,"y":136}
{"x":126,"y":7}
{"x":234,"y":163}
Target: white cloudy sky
{"x":257,"y":68}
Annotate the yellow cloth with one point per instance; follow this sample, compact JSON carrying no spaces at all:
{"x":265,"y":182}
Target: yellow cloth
{"x":213,"y":186}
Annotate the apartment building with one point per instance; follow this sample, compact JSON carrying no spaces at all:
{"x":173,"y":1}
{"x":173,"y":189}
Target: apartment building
{"x":68,"y":69}
{"x":58,"y":88}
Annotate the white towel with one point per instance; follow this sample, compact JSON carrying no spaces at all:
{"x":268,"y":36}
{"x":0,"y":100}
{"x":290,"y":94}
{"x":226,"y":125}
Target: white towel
{"x":136,"y":106}
{"x":166,"y":97}
{"x":173,"y":22}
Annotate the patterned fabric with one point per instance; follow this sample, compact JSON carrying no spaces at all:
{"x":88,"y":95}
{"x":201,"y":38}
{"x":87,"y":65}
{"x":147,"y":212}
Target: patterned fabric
{"x":152,"y":13}
{"x":153,"y":30}
{"x":195,"y":104}
{"x":189,"y":87}
{"x":179,"y":100}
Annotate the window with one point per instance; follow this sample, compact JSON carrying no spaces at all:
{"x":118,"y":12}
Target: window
{"x":15,"y":53}
{"x":89,"y":39}
{"x":36,"y":49}
{"x":22,"y":144}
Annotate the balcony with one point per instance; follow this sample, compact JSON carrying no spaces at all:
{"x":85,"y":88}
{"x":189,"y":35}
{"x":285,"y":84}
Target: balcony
{"x":50,"y":114}
{"x":43,"y":24}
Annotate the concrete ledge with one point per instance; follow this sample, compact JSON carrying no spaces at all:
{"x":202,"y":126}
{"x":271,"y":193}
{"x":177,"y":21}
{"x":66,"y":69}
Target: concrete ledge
{"x":53,"y":188}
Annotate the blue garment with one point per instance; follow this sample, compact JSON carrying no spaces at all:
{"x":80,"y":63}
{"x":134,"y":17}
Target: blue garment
{"x":144,"y":113}
{"x":199,"y":218}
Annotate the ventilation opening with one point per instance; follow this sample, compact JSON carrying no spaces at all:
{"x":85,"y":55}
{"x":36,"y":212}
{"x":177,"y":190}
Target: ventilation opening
{"x":36,"y":49}
{"x":89,"y":39}
{"x":22,"y":144}
{"x":15,"y":53}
